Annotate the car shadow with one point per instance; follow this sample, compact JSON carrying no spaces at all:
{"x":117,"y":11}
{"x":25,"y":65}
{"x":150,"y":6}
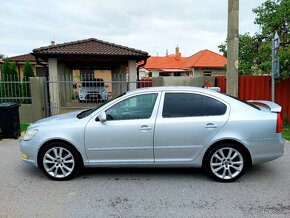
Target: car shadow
{"x":143,"y":173}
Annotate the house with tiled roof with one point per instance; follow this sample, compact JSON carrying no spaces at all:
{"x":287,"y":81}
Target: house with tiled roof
{"x":89,"y":59}
{"x":202,"y":63}
{"x":39,"y":70}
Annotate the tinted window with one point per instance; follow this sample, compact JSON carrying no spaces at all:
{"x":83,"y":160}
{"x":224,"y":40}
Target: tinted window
{"x":212,"y":107}
{"x":190,"y":105}
{"x":182,"y":105}
{"x":137,"y":107}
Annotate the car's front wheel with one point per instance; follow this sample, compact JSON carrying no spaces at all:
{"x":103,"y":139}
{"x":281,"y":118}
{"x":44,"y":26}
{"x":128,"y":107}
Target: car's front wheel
{"x":225,"y":162}
{"x":59,"y":161}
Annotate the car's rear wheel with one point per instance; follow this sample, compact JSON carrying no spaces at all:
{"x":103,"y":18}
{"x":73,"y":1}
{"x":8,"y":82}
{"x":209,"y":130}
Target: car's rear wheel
{"x":225,"y":162}
{"x":59,"y":161}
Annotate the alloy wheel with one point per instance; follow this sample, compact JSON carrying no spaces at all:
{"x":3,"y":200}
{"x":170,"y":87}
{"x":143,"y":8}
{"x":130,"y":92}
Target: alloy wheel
{"x":227,"y":163}
{"x":58,"y":162}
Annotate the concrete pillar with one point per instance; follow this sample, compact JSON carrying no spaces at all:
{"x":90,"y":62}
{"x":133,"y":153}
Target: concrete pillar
{"x":53,"y":86}
{"x":132,"y":74}
{"x":119,"y":83}
{"x":37,"y":85}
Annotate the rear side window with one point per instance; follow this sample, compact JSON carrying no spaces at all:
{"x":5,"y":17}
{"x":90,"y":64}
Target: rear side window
{"x":213,"y":107}
{"x":191,"y":105}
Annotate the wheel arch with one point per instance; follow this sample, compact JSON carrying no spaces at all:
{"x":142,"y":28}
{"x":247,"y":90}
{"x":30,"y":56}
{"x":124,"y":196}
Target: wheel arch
{"x":229,"y":141}
{"x":55,"y":141}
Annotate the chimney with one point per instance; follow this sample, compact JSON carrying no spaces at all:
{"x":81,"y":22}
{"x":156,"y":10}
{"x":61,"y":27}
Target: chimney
{"x":166,"y":52}
{"x":52,"y":43}
{"x":177,"y":53}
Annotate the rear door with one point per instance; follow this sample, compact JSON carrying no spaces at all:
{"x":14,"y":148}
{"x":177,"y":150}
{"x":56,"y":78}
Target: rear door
{"x":185,"y":123}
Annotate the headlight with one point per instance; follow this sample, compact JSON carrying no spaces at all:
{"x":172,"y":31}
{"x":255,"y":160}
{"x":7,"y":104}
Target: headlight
{"x":29,"y":134}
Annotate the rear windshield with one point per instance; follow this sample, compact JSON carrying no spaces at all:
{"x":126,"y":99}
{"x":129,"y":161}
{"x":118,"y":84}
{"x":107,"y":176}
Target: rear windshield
{"x":245,"y":102}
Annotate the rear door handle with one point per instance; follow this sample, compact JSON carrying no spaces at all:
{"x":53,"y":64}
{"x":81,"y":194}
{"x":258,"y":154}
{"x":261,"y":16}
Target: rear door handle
{"x":210,"y":125}
{"x":145,"y":127}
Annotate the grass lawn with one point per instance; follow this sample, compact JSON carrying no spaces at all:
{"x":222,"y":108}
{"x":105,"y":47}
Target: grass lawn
{"x":23,"y":126}
{"x":286,"y":132}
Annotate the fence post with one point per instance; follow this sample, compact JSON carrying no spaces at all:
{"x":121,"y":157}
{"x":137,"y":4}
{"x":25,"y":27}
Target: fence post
{"x":37,"y":97}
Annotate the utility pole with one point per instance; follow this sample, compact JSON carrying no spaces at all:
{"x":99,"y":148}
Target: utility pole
{"x":233,"y":48}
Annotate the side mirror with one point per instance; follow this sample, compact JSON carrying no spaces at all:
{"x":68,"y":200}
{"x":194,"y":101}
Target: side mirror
{"x":102,"y":116}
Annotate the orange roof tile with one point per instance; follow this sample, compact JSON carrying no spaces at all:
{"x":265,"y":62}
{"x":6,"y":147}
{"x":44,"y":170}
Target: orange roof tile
{"x":205,"y":58}
{"x":164,"y":62}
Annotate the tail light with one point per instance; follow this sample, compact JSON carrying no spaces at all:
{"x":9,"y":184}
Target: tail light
{"x":279,"y":126}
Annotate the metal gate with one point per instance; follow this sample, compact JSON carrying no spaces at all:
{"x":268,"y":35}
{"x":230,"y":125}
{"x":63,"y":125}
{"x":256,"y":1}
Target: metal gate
{"x":68,"y":95}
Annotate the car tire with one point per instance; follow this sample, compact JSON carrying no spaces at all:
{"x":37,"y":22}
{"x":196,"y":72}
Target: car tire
{"x":225,"y":162}
{"x":59,"y":161}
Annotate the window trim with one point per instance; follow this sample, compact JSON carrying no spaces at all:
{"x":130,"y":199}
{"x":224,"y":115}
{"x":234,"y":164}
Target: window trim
{"x":160,"y":112}
{"x":154,"y":111}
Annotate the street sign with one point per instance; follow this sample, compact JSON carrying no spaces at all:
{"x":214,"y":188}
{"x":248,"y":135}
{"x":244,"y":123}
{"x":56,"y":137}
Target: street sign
{"x":275,"y":59}
{"x":275,"y":62}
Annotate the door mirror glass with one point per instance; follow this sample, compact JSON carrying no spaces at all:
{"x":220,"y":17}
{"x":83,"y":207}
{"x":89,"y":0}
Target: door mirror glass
{"x":102,"y":116}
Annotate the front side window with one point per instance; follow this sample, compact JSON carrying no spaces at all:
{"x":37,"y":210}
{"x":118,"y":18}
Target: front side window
{"x":137,"y":107}
{"x":191,"y":105}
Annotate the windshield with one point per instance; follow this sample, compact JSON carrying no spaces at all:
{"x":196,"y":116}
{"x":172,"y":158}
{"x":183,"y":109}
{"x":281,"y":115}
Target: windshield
{"x":87,"y":112}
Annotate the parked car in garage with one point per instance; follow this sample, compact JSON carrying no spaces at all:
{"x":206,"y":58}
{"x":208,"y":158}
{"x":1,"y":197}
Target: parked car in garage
{"x":159,"y":127}
{"x":94,"y":90}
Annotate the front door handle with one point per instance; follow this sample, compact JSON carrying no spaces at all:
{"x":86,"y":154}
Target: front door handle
{"x":145,"y":127}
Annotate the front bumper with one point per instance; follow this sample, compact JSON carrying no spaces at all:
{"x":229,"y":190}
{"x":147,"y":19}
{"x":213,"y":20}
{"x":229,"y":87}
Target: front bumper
{"x":28,"y":151}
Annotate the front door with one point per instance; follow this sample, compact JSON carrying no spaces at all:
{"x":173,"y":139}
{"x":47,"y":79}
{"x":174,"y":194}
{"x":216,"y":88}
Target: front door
{"x":127,"y":134}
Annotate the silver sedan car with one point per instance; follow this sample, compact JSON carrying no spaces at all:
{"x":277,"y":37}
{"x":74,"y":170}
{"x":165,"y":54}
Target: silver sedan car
{"x":159,"y":127}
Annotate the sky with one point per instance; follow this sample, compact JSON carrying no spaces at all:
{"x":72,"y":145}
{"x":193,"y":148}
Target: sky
{"x":153,"y":26}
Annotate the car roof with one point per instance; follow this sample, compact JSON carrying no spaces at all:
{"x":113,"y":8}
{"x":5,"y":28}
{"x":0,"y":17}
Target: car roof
{"x":171,"y":88}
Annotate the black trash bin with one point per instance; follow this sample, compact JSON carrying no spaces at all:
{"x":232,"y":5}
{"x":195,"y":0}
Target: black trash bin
{"x":9,"y":120}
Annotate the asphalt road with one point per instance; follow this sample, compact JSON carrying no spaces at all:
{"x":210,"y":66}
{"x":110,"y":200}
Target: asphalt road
{"x":264,"y":191}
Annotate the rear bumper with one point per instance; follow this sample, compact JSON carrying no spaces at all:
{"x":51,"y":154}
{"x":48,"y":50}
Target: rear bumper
{"x":264,"y":150}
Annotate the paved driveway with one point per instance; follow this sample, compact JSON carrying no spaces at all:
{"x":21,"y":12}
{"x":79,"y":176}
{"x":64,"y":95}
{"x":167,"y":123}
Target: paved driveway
{"x":264,"y":191}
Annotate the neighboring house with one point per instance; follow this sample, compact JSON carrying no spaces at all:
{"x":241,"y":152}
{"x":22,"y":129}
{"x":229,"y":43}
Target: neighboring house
{"x":202,"y":63}
{"x":20,"y":60}
{"x":206,"y":63}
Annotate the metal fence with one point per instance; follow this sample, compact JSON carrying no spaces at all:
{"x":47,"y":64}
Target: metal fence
{"x":13,"y":90}
{"x":65,"y":96}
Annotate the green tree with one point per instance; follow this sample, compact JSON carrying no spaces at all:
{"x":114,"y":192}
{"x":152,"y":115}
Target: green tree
{"x":13,"y":74}
{"x":10,"y":85}
{"x":27,"y":73}
{"x":5,"y":72}
{"x":255,"y":51}
{"x":274,"y":15}
{"x":247,"y":52}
